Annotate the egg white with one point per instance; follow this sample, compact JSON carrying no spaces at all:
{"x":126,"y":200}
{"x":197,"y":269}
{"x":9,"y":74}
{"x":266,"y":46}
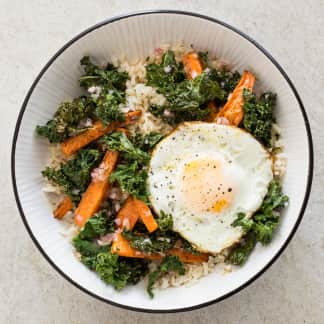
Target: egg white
{"x":244,"y":164}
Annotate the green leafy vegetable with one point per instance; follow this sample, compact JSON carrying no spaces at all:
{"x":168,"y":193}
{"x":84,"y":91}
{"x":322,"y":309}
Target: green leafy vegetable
{"x":169,"y":263}
{"x":258,"y":115}
{"x":146,"y":142}
{"x":98,"y":225}
{"x":66,"y":120}
{"x":165,"y":221}
{"x":262,"y":225}
{"x":107,"y":77}
{"x":152,"y":243}
{"x":110,"y":86}
{"x":87,"y":248}
{"x":74,"y":175}
{"x":187,"y":99}
{"x":118,"y":271}
{"x":240,"y":254}
{"x":163,"y":76}
{"x":107,"y":109}
{"x":118,"y":141}
{"x":132,"y":179}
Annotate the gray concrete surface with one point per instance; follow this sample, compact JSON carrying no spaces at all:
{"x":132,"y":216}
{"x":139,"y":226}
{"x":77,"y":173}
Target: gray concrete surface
{"x":291,"y":291}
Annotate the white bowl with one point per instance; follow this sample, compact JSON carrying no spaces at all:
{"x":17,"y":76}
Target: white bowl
{"x":135,"y":36}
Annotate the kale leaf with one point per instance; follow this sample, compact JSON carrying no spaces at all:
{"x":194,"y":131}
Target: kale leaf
{"x":87,"y":248}
{"x":165,"y":221}
{"x":258,"y":115}
{"x":98,"y":225}
{"x":132,"y":179}
{"x":118,"y":271}
{"x":107,"y":109}
{"x":118,"y":141}
{"x":261,"y":227}
{"x":227,"y":80}
{"x":107,"y":77}
{"x":74,"y":175}
{"x":111,"y":85}
{"x":66,"y":120}
{"x":187,"y":99}
{"x":169,"y":263}
{"x":151,"y":243}
{"x":146,"y":142}
{"x":240,"y":254}
{"x":163,"y":76}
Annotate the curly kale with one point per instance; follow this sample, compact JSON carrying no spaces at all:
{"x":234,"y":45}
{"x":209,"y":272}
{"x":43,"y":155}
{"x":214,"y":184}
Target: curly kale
{"x":165,"y":221}
{"x":111,"y":85}
{"x":67,"y":119}
{"x":261,"y":227}
{"x":118,"y":141}
{"x":107,"y":109}
{"x":111,"y":268}
{"x":187,"y":99}
{"x":132,"y":179}
{"x":169,"y":263}
{"x":156,"y":242}
{"x":163,"y":76}
{"x":74,"y":175}
{"x":118,"y":271}
{"x":227,"y":80}
{"x":146,"y":142}
{"x":161,"y":240}
{"x":106,"y":77}
{"x":98,"y":225}
{"x":240,"y":253}
{"x":258,"y":115}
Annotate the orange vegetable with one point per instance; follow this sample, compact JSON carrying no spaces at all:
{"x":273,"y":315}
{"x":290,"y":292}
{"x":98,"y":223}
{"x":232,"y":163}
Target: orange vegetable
{"x":73,"y":144}
{"x":95,"y":193}
{"x":212,"y":111}
{"x":64,"y":206}
{"x":188,"y":257}
{"x":232,"y":112}
{"x":146,"y":215}
{"x":192,"y":65}
{"x":127,"y":215}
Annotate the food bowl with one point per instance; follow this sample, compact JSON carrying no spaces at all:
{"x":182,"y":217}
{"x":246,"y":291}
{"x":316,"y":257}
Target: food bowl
{"x":136,"y":36}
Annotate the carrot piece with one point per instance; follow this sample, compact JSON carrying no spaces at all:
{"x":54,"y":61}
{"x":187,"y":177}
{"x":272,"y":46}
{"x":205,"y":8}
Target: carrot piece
{"x":122,"y":247}
{"x":212,"y":111}
{"x":127,"y":216}
{"x":122,"y":130}
{"x":63,"y":207}
{"x":232,"y":112}
{"x":146,"y":215}
{"x":73,"y":144}
{"x":192,"y":65}
{"x":95,"y":193}
{"x":188,"y":257}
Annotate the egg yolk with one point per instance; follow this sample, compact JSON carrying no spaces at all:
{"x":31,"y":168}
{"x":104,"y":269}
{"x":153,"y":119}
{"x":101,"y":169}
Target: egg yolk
{"x":204,"y":186}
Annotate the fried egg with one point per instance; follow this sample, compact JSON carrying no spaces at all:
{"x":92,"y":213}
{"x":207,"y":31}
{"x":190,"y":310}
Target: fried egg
{"x":204,"y":174}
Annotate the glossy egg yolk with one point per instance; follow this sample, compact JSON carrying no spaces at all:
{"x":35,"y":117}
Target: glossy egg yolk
{"x":204,"y":187}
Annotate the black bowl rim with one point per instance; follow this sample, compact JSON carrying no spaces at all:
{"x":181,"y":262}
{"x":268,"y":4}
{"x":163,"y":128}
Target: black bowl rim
{"x":259,"y":47}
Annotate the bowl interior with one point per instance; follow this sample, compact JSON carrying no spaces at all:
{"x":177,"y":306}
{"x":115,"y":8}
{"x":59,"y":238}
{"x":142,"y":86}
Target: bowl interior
{"x":136,"y":37}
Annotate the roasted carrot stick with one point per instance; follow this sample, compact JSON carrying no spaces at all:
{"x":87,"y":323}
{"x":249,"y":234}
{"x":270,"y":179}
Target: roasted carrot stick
{"x":212,"y":111}
{"x":127,"y":215}
{"x":63,"y":207}
{"x":146,"y":215}
{"x":192,"y":65}
{"x":95,"y":193}
{"x":122,"y":247}
{"x":232,"y":112}
{"x":188,"y":257}
{"x":73,"y":144}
